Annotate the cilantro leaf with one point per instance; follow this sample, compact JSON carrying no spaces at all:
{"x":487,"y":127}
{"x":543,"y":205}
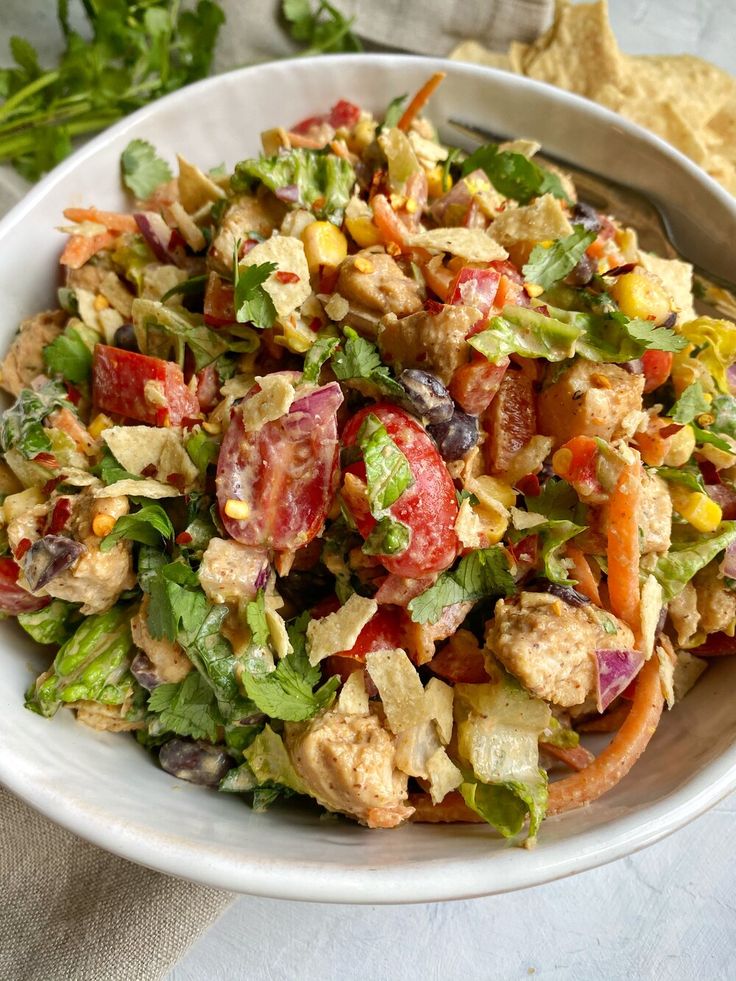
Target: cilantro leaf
{"x":324,"y":29}
{"x":388,"y":473}
{"x":255,"y":614}
{"x":289,"y":691}
{"x":252,"y":303}
{"x":690,"y":404}
{"x":21,"y":426}
{"x":202,"y":449}
{"x":149,"y":526}
{"x":653,"y":338}
{"x":188,"y":708}
{"x":177,"y":605}
{"x":688,"y":476}
{"x":68,"y":355}
{"x":547,"y":266}
{"x":513,"y":174}
{"x":482,"y":573}
{"x":359,"y":360}
{"x":394,"y":111}
{"x":142,"y":169}
{"x":389,"y":537}
{"x":557,"y":500}
{"x":109,"y":470}
{"x":322,"y":349}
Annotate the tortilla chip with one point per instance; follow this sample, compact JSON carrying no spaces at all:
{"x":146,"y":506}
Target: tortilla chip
{"x":138,"y":448}
{"x":288,"y":254}
{"x":537,"y":222}
{"x":196,"y":189}
{"x":472,"y":51}
{"x":677,"y":279}
{"x":472,"y":244}
{"x":152,"y":489}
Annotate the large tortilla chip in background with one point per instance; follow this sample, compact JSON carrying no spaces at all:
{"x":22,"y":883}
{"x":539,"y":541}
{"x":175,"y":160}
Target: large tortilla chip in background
{"x":685,"y":100}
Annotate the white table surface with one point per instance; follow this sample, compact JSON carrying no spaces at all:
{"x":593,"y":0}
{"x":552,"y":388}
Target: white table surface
{"x":666,"y":913}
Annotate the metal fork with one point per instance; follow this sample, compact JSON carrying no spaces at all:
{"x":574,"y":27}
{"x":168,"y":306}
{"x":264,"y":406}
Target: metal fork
{"x":713,"y":294}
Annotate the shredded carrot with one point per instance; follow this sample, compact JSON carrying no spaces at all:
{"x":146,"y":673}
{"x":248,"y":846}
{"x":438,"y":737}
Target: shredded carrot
{"x":595,"y":249}
{"x":66,"y":421}
{"x":112,"y":221}
{"x":80,"y":248}
{"x":610,"y":721}
{"x":420,"y":100}
{"x":388,"y":222}
{"x":576,"y":757}
{"x":623,"y":548}
{"x":582,"y":572}
{"x":451,"y":810}
{"x":621,"y":753}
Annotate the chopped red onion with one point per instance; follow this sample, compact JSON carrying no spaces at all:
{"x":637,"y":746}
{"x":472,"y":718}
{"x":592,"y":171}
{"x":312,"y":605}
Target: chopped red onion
{"x":634,"y":367}
{"x":615,"y":672}
{"x":731,"y":377}
{"x":289,"y":193}
{"x":158,"y":235}
{"x":48,"y":558}
{"x":728,"y":566}
{"x":316,"y":407}
{"x":262,"y":577}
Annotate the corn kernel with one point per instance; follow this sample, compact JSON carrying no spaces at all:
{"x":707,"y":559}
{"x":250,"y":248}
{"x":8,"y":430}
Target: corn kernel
{"x":397,"y":201}
{"x":680,"y":447}
{"x":213,"y":428}
{"x":696,"y":508}
{"x":393,"y":249}
{"x":493,"y":524}
{"x":103,"y":524}
{"x":411,"y":206}
{"x":363,"y":231}
{"x":99,"y":424}
{"x":533,"y":289}
{"x":561,"y":461}
{"x":640,"y":295}
{"x":237,"y":510}
{"x":18,"y":504}
{"x":435,"y":185}
{"x":363,"y":265}
{"x":363,"y":134}
{"x":324,"y":245}
{"x":547,"y":244}
{"x":101,"y":302}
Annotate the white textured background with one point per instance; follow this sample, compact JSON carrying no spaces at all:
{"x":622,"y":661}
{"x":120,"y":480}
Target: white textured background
{"x":668,"y":913}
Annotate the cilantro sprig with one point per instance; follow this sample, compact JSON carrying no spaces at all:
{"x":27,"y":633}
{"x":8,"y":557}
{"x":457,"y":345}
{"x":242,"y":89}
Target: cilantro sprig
{"x":547,"y":266}
{"x":358,"y":362}
{"x":252,"y":302}
{"x":482,"y":573}
{"x":514,"y":175}
{"x":142,"y":169}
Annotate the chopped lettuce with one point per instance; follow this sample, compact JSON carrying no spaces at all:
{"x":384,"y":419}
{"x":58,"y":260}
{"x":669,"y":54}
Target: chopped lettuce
{"x":552,"y":536}
{"x":676,"y":568}
{"x":52,"y":624}
{"x":270,"y":763}
{"x":93,"y":665}
{"x":21,"y":426}
{"x":323,"y":181}
{"x":716,"y":344}
{"x":482,"y":573}
{"x":387,"y":470}
{"x":548,"y":265}
{"x":322,"y":349}
{"x":528,"y":333}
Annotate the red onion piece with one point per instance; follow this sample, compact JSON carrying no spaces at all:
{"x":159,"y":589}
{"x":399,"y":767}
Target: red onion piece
{"x":615,"y":672}
{"x":731,"y":377}
{"x":728,"y":566}
{"x":634,"y":367}
{"x":262,"y":577}
{"x":48,"y":558}
{"x":289,"y":193}
{"x":314,"y":409}
{"x":158,"y":235}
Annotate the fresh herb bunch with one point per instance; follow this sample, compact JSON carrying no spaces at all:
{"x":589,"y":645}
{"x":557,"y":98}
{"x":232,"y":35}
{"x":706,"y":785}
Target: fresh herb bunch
{"x":138,"y":51}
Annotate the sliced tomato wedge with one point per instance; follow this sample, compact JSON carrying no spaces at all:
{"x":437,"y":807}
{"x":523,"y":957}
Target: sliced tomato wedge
{"x":285,"y":472}
{"x":120,"y":385}
{"x":511,"y":418}
{"x":657,"y":367}
{"x":475,"y":288}
{"x":428,"y":507}
{"x":474,"y":385}
{"x":13,"y":598}
{"x":208,"y":388}
{"x":716,"y":645}
{"x":343,"y":114}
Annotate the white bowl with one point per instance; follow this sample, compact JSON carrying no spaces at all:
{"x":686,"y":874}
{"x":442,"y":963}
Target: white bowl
{"x":108,"y":790}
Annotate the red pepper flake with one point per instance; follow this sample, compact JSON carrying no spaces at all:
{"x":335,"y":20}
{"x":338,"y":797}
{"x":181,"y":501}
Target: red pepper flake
{"x":74,"y":395}
{"x":46,"y":460}
{"x":529,"y":485}
{"x":328,"y":279}
{"x":433,"y":307}
{"x":60,"y":515}
{"x":670,"y":430}
{"x":23,"y":545}
{"x":149,"y":471}
{"x":315,"y":325}
{"x":50,"y":486}
{"x":183,"y":538}
{"x":176,"y":480}
{"x":287,"y":277}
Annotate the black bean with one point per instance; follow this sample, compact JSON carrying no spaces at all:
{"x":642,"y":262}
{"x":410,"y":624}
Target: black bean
{"x":426,"y":395}
{"x":586,"y":215}
{"x":670,"y":321}
{"x":197,"y":762}
{"x":125,"y":338}
{"x":566,"y":593}
{"x":456,"y":436}
{"x":583,"y":272}
{"x":144,"y":671}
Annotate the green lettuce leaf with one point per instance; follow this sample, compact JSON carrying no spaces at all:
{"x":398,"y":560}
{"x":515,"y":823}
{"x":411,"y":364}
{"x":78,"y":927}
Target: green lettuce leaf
{"x":547,"y":266}
{"x":148,"y":525}
{"x":715,"y":341}
{"x":480,"y":574}
{"x":552,"y":536}
{"x":514,"y":175}
{"x":188,"y":708}
{"x":723,"y":409}
{"x":528,"y":333}
{"x":324,"y":181}
{"x":203,"y":450}
{"x":676,"y":568}
{"x":505,"y":805}
{"x":322,"y":349}
{"x":270,"y":763}
{"x":51,"y":625}
{"x":388,"y":473}
{"x":21,"y":426}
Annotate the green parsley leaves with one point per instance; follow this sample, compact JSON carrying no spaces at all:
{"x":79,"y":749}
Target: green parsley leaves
{"x":322,"y":29}
{"x":547,"y":266}
{"x":514,"y":175}
{"x":482,"y":573}
{"x":142,"y":169}
{"x":252,"y":303}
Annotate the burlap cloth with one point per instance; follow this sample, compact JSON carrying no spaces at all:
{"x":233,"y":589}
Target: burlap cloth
{"x":69,"y":911}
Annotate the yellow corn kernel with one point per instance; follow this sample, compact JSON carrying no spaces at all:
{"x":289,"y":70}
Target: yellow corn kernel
{"x":324,"y":245}
{"x":296,"y":338}
{"x":363,"y":265}
{"x":103,"y":524}
{"x":237,"y":510}
{"x":533,"y":289}
{"x":435,"y":184}
{"x":547,"y":244}
{"x":640,"y":295}
{"x":493,"y":523}
{"x":696,"y":508}
{"x":491,"y":490}
{"x":363,"y":134}
{"x":561,"y":461}
{"x":397,"y":201}
{"x":18,"y":504}
{"x":99,"y":424}
{"x":101,"y":302}
{"x":213,"y":428}
{"x":411,"y":206}
{"x":393,"y":249}
{"x":680,"y":447}
{"x":363,"y":231}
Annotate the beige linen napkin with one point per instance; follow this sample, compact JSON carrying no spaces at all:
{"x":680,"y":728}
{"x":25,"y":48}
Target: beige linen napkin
{"x":68,"y":910}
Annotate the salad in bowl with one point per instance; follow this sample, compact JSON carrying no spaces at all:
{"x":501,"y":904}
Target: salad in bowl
{"x":373,"y":472}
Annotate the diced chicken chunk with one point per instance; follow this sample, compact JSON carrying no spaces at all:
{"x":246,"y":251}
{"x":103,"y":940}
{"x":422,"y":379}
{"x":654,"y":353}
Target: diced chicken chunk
{"x":683,"y":612}
{"x":590,"y":399}
{"x":24,"y":360}
{"x":169,"y":661}
{"x":549,"y":645}
{"x":246,"y":214}
{"x":432,"y":341}
{"x":97,"y":578}
{"x":374,"y":284}
{"x":230,"y":571}
{"x":348,"y":763}
{"x":716,"y":602}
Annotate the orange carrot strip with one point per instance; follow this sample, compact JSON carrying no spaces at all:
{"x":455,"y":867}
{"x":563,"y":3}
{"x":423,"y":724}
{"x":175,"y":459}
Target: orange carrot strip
{"x":610,"y":721}
{"x":420,"y":100}
{"x":80,"y":248}
{"x":623,"y":548}
{"x":622,"y":752}
{"x":576,"y":757}
{"x":389,"y":224}
{"x":582,"y":572}
{"x":452,"y":810}
{"x":112,"y":220}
